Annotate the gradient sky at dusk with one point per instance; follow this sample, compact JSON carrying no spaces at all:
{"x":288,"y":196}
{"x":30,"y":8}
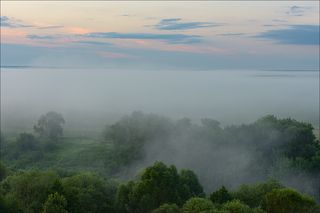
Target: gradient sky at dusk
{"x":155,"y":35}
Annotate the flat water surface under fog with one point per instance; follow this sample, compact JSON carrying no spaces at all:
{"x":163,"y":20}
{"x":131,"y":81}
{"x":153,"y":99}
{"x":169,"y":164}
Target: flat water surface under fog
{"x":93,"y":97}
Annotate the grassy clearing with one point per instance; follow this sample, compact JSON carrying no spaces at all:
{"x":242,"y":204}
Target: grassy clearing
{"x":71,"y":153}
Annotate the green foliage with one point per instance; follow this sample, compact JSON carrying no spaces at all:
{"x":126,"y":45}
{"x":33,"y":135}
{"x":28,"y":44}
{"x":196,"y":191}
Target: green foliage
{"x":24,"y":149}
{"x":297,"y":138}
{"x":50,"y":125}
{"x":289,"y":200}
{"x":160,"y":189}
{"x":269,"y":140}
{"x":220,"y":196}
{"x":197,"y":205}
{"x":29,"y":190}
{"x":162,"y":183}
{"x":253,"y":195}
{"x":88,"y":193}
{"x":8,"y":205}
{"x":258,"y":210}
{"x":72,"y":153}
{"x":312,"y":165}
{"x":276,"y":146}
{"x":35,"y":191}
{"x":190,"y":184}
{"x":167,"y":208}
{"x":129,"y":135}
{"x":3,"y":205}
{"x":236,"y":206}
{"x":158,"y":184}
{"x":124,"y":198}
{"x":211,"y":124}
{"x":3,"y":171}
{"x":26,"y":142}
{"x":55,"y":203}
{"x":316,"y":209}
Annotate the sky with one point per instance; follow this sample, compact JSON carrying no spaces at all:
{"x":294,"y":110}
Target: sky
{"x":155,"y":35}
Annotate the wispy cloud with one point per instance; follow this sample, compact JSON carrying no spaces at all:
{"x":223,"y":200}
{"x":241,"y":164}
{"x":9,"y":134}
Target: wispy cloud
{"x":12,"y":23}
{"x":17,"y":54}
{"x":176,"y":24}
{"x":16,"y":23}
{"x":139,"y":37}
{"x":128,"y":15}
{"x":295,"y":34}
{"x":50,"y":27}
{"x":231,"y":34}
{"x":98,"y":43}
{"x":279,"y":20}
{"x":297,"y":10}
{"x":40,"y":37}
{"x":170,"y":38}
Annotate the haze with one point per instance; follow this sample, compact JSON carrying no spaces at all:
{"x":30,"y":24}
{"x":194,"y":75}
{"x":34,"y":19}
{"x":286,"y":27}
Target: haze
{"x":102,"y":102}
{"x":102,"y":96}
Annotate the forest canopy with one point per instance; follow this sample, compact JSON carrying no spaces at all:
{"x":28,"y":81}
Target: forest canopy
{"x":150,"y":163}
{"x":159,"y":188}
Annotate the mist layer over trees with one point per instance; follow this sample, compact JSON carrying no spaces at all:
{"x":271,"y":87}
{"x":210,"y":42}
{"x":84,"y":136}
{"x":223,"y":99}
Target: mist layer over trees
{"x":151,"y":163}
{"x":91,"y":98}
{"x":270,"y":147}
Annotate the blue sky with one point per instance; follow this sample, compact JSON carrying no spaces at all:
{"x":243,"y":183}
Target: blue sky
{"x":161,"y":35}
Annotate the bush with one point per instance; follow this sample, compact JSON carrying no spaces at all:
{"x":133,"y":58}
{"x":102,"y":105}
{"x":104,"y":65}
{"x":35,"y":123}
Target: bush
{"x":254,"y":195}
{"x":167,"y":208}
{"x":289,"y":200}
{"x":197,"y":205}
{"x":236,"y":206}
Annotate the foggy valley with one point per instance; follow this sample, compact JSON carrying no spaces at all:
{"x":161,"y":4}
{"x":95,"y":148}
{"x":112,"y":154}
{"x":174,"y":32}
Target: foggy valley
{"x":160,"y":107}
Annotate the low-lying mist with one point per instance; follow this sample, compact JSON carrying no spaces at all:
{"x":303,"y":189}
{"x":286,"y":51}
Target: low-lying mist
{"x":89,"y":98}
{"x":218,"y":152}
{"x":230,"y":156}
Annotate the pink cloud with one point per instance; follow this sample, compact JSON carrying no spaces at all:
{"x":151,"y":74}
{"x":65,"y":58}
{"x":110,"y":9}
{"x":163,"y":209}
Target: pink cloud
{"x":12,"y":32}
{"x":19,"y":36}
{"x":77,"y":30}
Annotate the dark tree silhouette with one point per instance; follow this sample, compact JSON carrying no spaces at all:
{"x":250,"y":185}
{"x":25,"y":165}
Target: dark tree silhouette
{"x":50,"y":125}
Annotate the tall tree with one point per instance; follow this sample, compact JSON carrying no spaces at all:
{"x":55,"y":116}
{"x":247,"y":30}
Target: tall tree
{"x":55,"y":203}
{"x":158,"y":184}
{"x":88,"y":193}
{"x":220,"y":196}
{"x":50,"y":125}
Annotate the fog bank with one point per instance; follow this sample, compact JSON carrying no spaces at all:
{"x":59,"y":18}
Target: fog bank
{"x":89,"y":99}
